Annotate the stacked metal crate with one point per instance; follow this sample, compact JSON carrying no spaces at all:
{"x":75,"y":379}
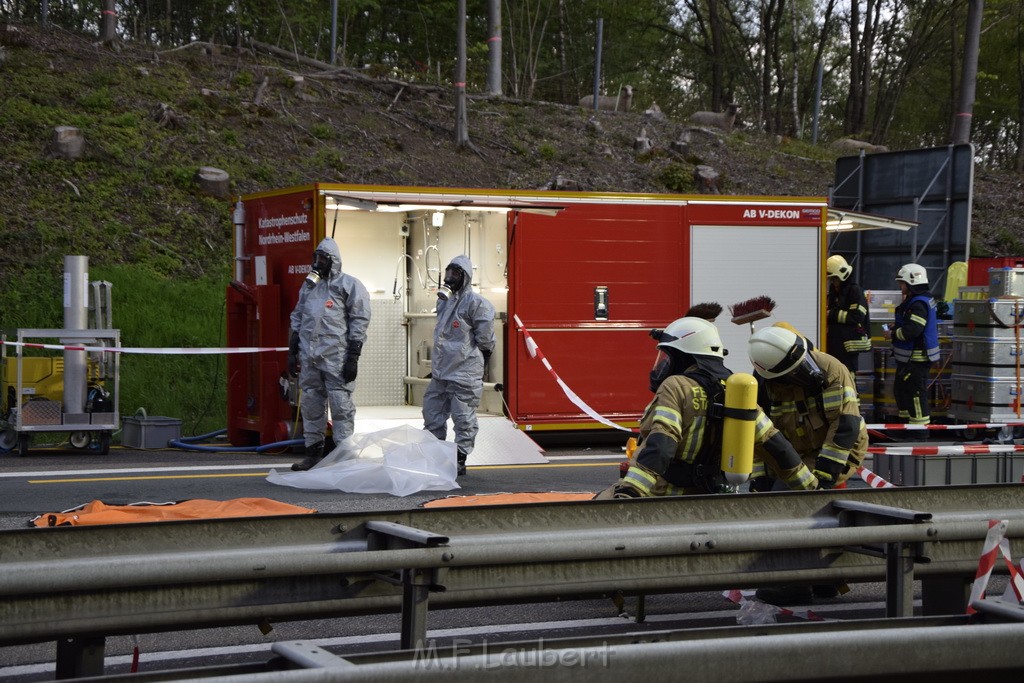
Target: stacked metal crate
{"x":987,"y":350}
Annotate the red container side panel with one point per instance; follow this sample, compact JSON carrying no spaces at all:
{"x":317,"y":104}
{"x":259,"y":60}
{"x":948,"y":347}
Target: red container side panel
{"x":634,"y":251}
{"x":639,"y":253}
{"x":977,"y":268}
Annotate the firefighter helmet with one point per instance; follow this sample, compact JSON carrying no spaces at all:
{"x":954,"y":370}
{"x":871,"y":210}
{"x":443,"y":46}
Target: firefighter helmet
{"x":912,"y":274}
{"x":836,"y":266}
{"x":775,"y":351}
{"x":693,"y":336}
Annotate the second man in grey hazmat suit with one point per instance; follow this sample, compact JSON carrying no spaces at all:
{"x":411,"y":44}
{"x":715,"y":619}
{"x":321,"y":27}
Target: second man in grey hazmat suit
{"x":463,"y":343}
{"x":328,"y":329}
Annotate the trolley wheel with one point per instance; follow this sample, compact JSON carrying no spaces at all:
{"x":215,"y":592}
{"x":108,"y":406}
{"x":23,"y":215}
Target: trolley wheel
{"x":8,"y":440}
{"x":80,"y":440}
{"x":970,"y":434}
{"x":24,"y":439}
{"x":104,"y":443}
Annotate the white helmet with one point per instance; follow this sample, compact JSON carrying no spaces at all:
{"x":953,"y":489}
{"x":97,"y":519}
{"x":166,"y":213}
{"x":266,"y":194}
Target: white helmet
{"x":775,"y":351}
{"x":694,"y":336}
{"x":836,"y":266}
{"x":912,"y":274}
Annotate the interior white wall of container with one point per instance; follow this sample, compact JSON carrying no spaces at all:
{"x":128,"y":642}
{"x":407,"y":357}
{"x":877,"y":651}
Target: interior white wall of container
{"x":400,"y":258}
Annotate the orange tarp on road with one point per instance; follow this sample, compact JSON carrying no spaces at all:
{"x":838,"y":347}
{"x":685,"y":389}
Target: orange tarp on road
{"x":98,"y":512}
{"x":506,"y":499}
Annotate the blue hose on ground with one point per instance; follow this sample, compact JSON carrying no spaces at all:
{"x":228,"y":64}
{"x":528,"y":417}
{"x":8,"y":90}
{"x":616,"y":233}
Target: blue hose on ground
{"x":203,"y":437}
{"x":182,"y":443}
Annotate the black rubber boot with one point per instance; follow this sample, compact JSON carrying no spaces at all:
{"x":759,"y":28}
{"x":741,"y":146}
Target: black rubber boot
{"x":462,"y":462}
{"x":314,"y":454}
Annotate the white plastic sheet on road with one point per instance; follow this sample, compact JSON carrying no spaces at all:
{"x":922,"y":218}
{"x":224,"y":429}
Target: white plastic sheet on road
{"x":401,"y":460}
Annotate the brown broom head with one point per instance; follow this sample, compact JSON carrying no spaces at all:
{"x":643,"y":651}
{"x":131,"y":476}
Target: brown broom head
{"x":752,"y":310}
{"x":708,"y":310}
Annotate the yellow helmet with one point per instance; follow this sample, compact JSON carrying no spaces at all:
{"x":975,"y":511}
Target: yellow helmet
{"x":836,"y":266}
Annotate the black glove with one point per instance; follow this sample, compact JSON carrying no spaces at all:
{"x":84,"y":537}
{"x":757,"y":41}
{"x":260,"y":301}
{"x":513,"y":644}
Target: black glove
{"x":626,"y":491}
{"x":828,"y":471}
{"x":293,"y":354}
{"x":351,"y":367}
{"x":487,"y":359}
{"x":761,"y":484}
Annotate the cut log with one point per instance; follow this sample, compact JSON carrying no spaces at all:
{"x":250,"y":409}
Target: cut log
{"x":213,"y":181}
{"x":68,"y":142}
{"x":707,"y":180}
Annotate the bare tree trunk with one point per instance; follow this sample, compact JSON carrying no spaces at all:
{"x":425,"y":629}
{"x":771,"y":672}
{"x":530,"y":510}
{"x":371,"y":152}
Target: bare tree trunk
{"x":461,"y":123}
{"x":494,"y":47}
{"x":969,"y":75}
{"x":1018,"y":165}
{"x":794,"y":50}
{"x":717,"y":57}
{"x":562,"y":50}
{"x":108,"y":33}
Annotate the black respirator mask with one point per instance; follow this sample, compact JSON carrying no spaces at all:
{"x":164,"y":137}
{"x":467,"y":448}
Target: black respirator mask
{"x":322,"y":262}
{"x":453,"y":281}
{"x":666,"y":365}
{"x":806,"y":375}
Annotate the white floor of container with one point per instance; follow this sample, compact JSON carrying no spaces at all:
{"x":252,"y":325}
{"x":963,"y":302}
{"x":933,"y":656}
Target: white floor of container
{"x":497,"y":443}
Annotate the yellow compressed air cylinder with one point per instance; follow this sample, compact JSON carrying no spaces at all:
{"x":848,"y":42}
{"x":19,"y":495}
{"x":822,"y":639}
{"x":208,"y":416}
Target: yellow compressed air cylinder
{"x":738,"y":427}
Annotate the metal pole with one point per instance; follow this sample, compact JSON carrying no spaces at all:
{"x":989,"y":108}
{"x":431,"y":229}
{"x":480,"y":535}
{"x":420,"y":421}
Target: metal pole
{"x":597,"y":61}
{"x":334,"y":31}
{"x":76,"y":317}
{"x":817,"y":104}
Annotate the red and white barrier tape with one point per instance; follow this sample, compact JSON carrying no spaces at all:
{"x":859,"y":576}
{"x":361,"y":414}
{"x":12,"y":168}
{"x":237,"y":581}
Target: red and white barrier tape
{"x":938,"y":428}
{"x":873,"y":480}
{"x":995,"y":544}
{"x":535,"y":352}
{"x":741,"y":597}
{"x":151,"y":351}
{"x":952,"y":449}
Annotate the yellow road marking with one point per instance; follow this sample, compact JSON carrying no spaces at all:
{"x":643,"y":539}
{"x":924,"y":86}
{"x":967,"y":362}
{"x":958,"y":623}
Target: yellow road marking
{"x":263,"y":474}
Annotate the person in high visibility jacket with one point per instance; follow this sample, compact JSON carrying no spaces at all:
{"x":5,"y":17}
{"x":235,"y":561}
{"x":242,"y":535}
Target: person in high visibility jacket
{"x":679,"y":449}
{"x":915,"y":344}
{"x":848,"y":323}
{"x":813,"y":401}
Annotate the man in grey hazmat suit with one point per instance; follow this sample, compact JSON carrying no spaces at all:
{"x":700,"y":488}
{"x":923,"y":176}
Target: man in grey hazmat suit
{"x":463,"y":343}
{"x":328,"y":329}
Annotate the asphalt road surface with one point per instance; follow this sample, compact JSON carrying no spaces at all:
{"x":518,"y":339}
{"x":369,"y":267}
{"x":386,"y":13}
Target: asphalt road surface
{"x":57,"y":479}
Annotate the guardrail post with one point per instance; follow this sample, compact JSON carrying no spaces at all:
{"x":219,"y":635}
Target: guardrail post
{"x":899,"y":579}
{"x":80,"y":657}
{"x":415,"y":590}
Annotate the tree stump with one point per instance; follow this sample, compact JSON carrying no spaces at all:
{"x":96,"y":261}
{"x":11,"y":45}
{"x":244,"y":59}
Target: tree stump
{"x":213,"y":181}
{"x":642,"y":143}
{"x":594,"y":125}
{"x":166,"y":117}
{"x":681,"y":144}
{"x":707,"y":180}
{"x":68,"y":142}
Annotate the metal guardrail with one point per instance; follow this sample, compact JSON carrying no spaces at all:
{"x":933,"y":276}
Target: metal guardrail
{"x":85,"y":583}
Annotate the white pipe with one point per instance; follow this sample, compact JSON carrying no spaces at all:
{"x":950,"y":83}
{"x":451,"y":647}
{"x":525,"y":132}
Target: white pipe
{"x":76,"y":317}
{"x":238,"y":219}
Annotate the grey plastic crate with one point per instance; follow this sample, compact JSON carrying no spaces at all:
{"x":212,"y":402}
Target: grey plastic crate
{"x":149,"y":432}
{"x":944,"y":470}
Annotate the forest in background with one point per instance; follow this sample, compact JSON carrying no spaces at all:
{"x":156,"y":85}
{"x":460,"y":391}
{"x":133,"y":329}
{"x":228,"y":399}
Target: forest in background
{"x":890,"y":69}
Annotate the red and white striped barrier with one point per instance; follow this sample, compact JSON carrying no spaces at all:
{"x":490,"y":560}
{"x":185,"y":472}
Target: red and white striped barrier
{"x":900,"y":427}
{"x":995,"y":544}
{"x":952,"y":449}
{"x":198,"y":351}
{"x":873,"y":480}
{"x":746,"y":597}
{"x":535,"y":352}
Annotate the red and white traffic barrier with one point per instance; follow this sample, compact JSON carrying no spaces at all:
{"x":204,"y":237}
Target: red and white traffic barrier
{"x":150,"y":351}
{"x":746,"y":598}
{"x":873,"y":480}
{"x":952,"y":449}
{"x":535,"y":352}
{"x":901,"y":427}
{"x":995,"y":544}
